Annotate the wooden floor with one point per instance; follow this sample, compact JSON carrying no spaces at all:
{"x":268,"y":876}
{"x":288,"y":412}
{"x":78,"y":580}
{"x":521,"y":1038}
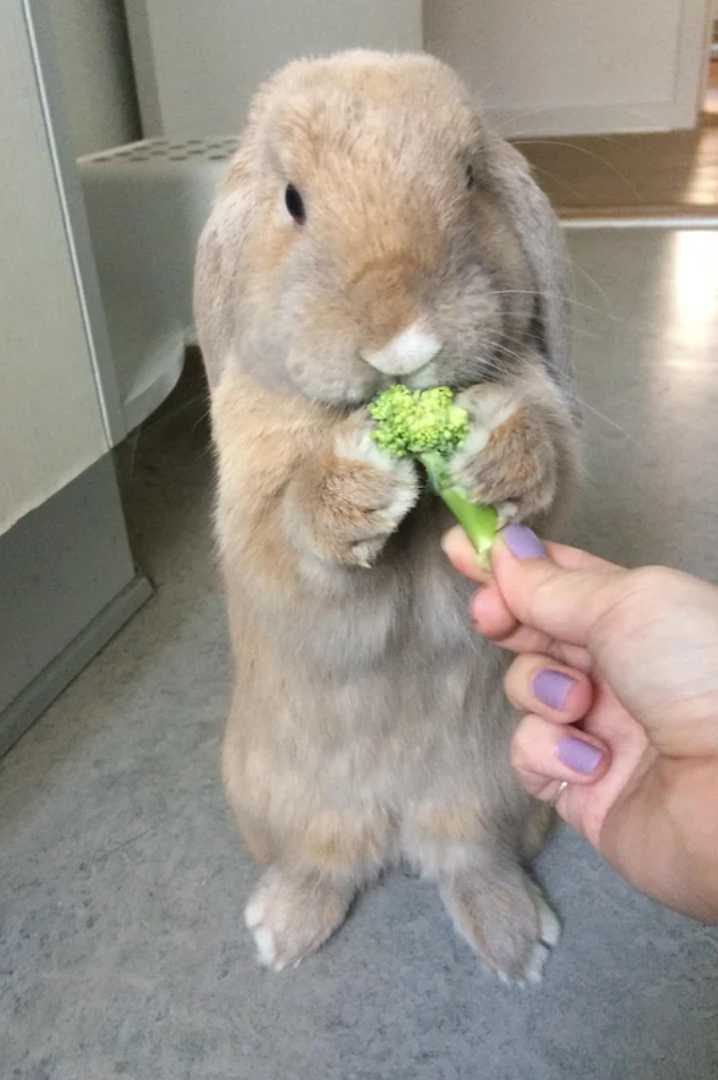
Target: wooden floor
{"x":673,"y":174}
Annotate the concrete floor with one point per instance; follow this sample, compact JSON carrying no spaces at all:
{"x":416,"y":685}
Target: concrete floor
{"x":122,"y":949}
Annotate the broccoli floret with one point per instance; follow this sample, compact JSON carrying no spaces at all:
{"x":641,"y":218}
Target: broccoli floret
{"x":427,"y":425}
{"x":414,"y":421}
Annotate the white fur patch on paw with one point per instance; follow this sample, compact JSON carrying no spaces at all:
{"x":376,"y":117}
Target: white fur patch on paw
{"x":489,"y":406}
{"x":506,"y":512}
{"x":533,"y":971}
{"x":472,"y":446}
{"x":254,"y":911}
{"x":513,"y":936}
{"x":366,"y":551}
{"x":386,"y":520}
{"x":266,"y":948}
{"x":549,"y":934}
{"x":402,"y":489}
{"x":290,"y":918}
{"x":254,"y":916}
{"x":257,"y":919}
{"x":549,"y":924}
{"x":405,"y":494}
{"x":358,"y":445}
{"x":537,"y":961}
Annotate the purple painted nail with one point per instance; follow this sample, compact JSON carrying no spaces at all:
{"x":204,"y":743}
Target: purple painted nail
{"x":581,"y":756}
{"x":552,"y":687}
{"x":524,"y":542}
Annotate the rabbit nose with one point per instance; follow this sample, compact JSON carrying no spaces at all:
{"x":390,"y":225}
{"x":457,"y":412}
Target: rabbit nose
{"x":404,"y":354}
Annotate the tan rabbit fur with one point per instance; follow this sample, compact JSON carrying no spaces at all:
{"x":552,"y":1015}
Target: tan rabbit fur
{"x":368,"y":722}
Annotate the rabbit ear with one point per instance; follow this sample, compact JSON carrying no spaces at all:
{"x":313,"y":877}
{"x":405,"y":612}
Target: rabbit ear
{"x":542,"y":241}
{"x":215,"y":280}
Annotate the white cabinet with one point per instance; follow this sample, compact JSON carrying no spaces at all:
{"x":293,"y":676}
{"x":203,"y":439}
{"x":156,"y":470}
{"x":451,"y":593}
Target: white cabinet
{"x":541,"y":67}
{"x":197,"y":64}
{"x":51,"y":420}
{"x":556,"y":67}
{"x":67,"y":579}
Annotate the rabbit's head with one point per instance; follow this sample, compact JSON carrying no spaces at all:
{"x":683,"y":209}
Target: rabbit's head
{"x":372,"y":230}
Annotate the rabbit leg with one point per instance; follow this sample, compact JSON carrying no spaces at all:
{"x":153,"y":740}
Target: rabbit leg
{"x":293,"y":911}
{"x":494,"y":904}
{"x":501,"y":913}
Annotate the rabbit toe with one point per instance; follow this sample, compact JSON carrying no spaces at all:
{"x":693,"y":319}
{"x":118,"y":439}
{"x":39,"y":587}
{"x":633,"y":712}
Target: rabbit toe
{"x":291,"y":915}
{"x":506,"y":921}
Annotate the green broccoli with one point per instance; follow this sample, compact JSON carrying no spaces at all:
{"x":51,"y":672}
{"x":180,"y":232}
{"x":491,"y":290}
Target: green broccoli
{"x":429,"y":426}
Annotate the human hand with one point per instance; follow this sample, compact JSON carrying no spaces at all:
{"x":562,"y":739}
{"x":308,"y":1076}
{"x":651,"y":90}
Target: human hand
{"x":616,"y":676}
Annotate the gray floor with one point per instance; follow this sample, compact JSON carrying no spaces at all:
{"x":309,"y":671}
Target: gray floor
{"x":122,"y":951}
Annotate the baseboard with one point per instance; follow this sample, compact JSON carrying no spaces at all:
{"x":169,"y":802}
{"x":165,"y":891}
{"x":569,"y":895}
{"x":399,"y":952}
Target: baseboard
{"x":52,"y":680}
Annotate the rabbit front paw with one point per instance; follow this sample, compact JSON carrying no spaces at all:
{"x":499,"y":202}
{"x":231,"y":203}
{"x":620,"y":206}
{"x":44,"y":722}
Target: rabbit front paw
{"x":365,"y":496}
{"x":509,"y":458}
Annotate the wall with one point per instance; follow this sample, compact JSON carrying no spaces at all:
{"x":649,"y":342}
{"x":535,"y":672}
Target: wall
{"x":93,"y":55}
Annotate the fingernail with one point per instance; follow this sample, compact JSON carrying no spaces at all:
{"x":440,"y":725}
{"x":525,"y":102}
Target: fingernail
{"x":552,"y":687}
{"x":523,"y":541}
{"x":579,"y":755}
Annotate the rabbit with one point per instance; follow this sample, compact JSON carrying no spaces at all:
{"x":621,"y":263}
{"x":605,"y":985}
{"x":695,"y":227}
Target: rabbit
{"x":371,"y":229}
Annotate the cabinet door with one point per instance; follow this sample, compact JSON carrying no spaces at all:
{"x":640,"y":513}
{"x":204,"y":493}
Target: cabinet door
{"x":557,"y":67}
{"x":197,"y":65}
{"x":52,"y":424}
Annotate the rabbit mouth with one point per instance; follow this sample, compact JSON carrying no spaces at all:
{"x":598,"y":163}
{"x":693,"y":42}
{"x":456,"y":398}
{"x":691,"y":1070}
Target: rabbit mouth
{"x":425,"y":378}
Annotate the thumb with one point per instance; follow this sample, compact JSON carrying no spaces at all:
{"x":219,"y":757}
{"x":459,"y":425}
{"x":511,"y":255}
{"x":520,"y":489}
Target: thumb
{"x":563,"y":603}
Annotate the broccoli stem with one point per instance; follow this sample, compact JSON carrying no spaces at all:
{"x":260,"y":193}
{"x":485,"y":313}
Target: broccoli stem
{"x":478,"y":521}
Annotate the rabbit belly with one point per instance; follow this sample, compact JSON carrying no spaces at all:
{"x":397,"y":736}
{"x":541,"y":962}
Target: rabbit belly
{"x":351,"y":768}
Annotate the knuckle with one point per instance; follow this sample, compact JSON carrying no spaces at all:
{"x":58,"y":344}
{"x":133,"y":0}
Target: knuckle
{"x":518,"y":751}
{"x":532,"y":600}
{"x":653,"y":578}
{"x":513,"y":678}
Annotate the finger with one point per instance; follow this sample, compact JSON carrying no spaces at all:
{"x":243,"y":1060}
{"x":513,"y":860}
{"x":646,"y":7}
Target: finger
{"x":460,"y":552}
{"x":564,"y":604}
{"x":543,"y":687}
{"x":490,"y":613}
{"x":573,"y":558}
{"x":544,"y":754}
{"x":492,"y":618}
{"x":462,"y":555}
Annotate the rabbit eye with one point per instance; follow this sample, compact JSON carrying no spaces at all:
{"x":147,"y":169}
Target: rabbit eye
{"x":295,"y":203}
{"x":470,"y":177}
